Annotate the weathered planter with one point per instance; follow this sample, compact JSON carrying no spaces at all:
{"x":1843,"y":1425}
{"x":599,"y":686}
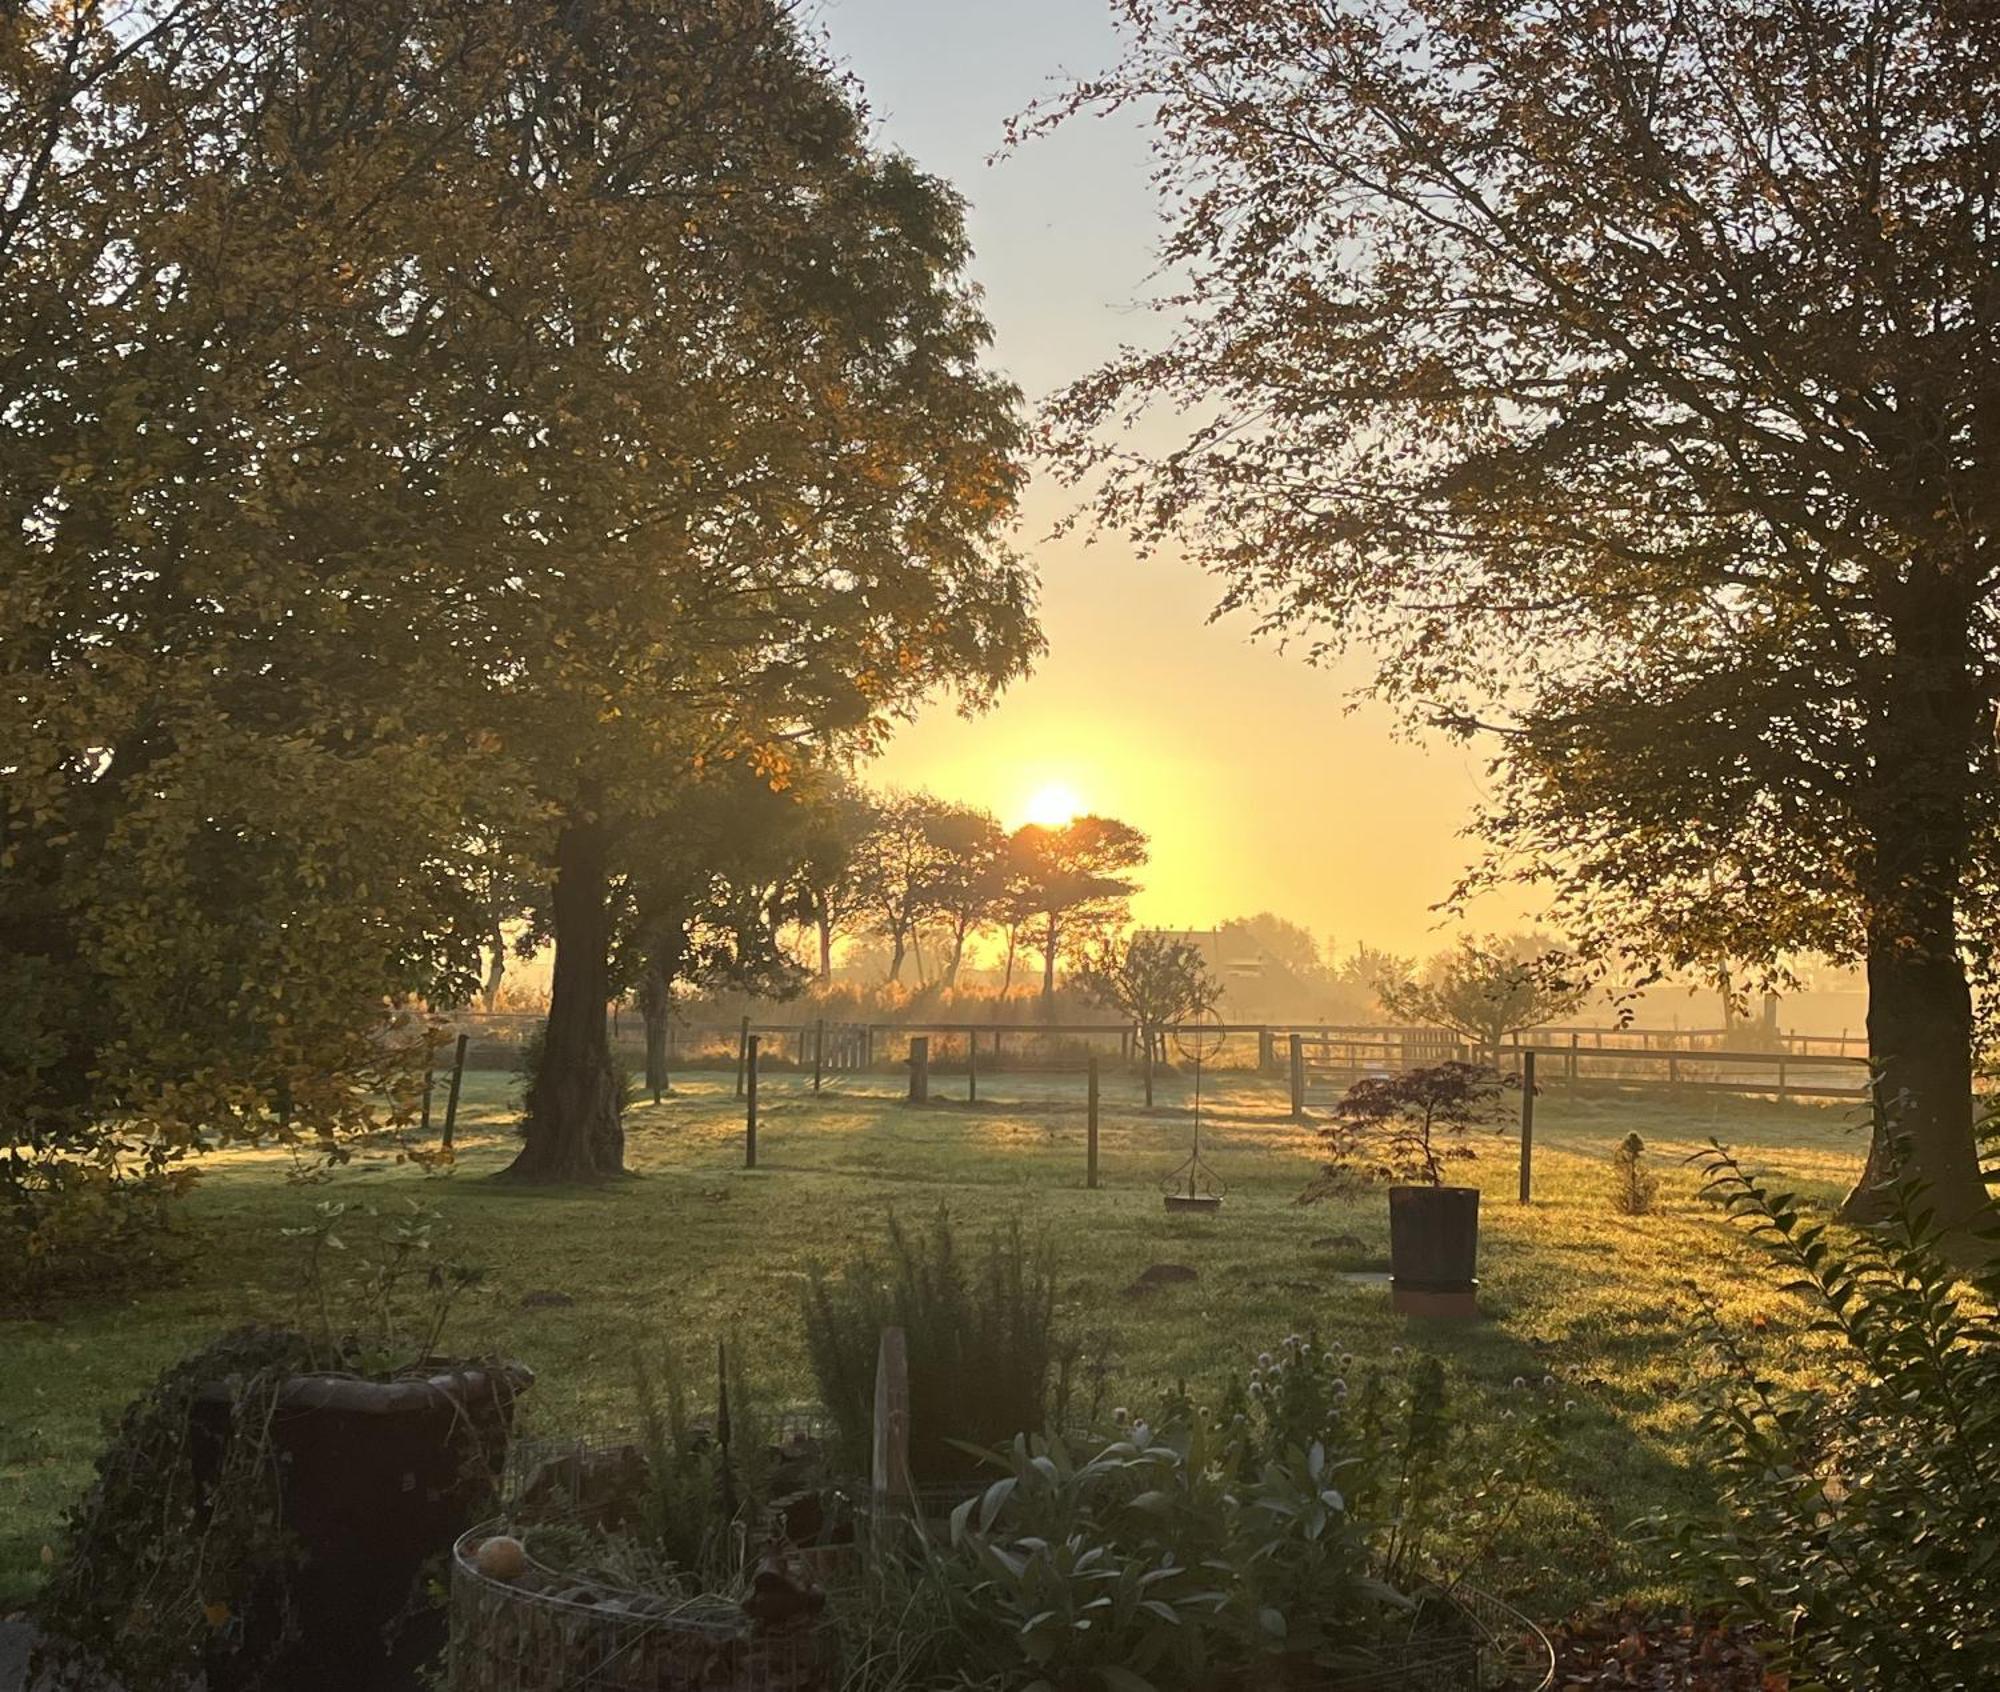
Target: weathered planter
{"x":1433,"y":1238}
{"x":375,"y":1479}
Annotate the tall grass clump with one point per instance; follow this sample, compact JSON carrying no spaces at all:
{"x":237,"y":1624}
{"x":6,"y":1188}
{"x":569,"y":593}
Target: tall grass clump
{"x":985,"y":1357}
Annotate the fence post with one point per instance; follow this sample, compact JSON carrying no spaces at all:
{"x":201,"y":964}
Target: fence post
{"x":451,"y":1098}
{"x":819,"y":1050}
{"x":920,"y":1068}
{"x":1298,"y":1055}
{"x":742,"y":1048}
{"x":1267,"y":1052}
{"x":1090,"y":1133}
{"x":1781,"y":1078}
{"x":750,"y":1101}
{"x":1527,"y":1124}
{"x":1570,"y":1078}
{"x":972,"y":1066}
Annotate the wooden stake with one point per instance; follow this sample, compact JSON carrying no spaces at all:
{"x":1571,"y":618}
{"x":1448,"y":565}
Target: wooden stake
{"x":451,"y":1098}
{"x":1090,"y":1133}
{"x":750,"y":1101}
{"x":1527,"y":1124}
{"x":890,"y":1465}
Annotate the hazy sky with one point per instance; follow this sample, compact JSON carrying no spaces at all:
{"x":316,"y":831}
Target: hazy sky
{"x":1257,"y":788}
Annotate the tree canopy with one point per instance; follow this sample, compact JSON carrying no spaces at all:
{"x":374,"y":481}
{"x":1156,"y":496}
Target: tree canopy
{"x":1622,"y":378}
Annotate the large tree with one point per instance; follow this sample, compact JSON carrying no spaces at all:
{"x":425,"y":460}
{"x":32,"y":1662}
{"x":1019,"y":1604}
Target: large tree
{"x":1074,"y":876}
{"x":231,"y":785}
{"x":1623,"y":376}
{"x":759,"y":472}
{"x":829,"y":880}
{"x":898,"y":867}
{"x":968,"y":889}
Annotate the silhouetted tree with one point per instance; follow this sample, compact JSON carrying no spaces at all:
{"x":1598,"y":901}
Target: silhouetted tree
{"x":1075,"y":873}
{"x":829,"y":883}
{"x":968,"y":885}
{"x":1623,"y":377}
{"x":704,"y":894}
{"x":1488,"y":991}
{"x":1155,"y":980}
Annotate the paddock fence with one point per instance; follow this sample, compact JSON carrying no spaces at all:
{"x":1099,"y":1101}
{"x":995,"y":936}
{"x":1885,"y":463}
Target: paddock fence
{"x":1313,"y":1061}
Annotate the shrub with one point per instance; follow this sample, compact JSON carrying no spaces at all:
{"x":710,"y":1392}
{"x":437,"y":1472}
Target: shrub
{"x":984,"y":1355}
{"x":701,"y":1485}
{"x":1283,"y":1539}
{"x":80,"y":1219}
{"x":150,"y":1571}
{"x":1636,"y":1185}
{"x":1857,"y":1512}
{"x":1404,"y":1127}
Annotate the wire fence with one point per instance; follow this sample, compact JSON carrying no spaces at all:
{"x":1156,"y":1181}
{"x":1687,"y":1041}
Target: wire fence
{"x":1303,"y":1062}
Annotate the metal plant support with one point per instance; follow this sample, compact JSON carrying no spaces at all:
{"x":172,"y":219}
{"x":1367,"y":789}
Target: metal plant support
{"x":1194,"y":1184}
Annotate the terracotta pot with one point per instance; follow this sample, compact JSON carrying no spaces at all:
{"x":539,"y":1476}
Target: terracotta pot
{"x":1434,"y":1237}
{"x":375,"y":1479}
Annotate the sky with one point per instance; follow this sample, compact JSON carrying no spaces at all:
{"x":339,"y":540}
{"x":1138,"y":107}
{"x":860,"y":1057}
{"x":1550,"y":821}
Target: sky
{"x":1258,"y":786}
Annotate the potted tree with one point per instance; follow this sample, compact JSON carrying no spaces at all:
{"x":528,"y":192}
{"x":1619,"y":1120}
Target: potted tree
{"x":1405,"y":1129}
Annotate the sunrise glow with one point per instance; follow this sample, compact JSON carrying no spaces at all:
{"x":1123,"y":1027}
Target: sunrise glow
{"x":1052,"y":805}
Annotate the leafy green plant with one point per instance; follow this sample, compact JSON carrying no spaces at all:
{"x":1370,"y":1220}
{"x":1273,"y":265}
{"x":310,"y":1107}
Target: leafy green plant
{"x":1857,"y":1511}
{"x":390,"y":1310}
{"x":154,"y":1569}
{"x":985,"y":1356}
{"x":1289,"y":1536}
{"x":706,"y":1489}
{"x":1404,"y":1127}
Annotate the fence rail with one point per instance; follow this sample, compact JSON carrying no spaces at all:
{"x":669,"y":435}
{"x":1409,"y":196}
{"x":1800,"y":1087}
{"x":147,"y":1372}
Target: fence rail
{"x":1566,"y":1057}
{"x":1785,"y":1075}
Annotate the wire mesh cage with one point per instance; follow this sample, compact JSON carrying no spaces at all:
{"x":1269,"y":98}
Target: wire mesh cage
{"x":546,"y":1630}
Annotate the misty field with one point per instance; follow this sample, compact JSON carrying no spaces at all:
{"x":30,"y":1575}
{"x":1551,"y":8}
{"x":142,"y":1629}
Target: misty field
{"x":697,"y":1248}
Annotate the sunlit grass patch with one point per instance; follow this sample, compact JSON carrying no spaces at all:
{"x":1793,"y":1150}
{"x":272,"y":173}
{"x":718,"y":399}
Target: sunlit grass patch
{"x":699,"y":1248}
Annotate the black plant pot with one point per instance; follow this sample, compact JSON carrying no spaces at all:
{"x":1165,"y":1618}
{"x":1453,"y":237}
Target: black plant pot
{"x":375,"y":1479}
{"x":1434,"y":1238}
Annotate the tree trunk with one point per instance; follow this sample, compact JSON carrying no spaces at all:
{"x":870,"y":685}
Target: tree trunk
{"x":496,"y":972}
{"x":572,"y":1128}
{"x":899,"y":943}
{"x":1049,"y":959}
{"x":824,"y":922}
{"x":1920,"y":1042}
{"x":957,"y":953}
{"x":1013,"y":945}
{"x":657,"y":1080}
{"x":1917,"y":815}
{"x":656,"y":999}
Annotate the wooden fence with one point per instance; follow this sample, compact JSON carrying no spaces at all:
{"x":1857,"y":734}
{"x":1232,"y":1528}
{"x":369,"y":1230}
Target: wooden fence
{"x":1803,"y":1067}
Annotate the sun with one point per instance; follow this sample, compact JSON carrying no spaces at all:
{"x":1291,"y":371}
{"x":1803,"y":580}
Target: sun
{"x":1052,"y":805}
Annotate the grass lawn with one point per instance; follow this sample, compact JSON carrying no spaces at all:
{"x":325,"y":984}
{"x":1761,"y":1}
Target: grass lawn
{"x":700,"y":1248}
